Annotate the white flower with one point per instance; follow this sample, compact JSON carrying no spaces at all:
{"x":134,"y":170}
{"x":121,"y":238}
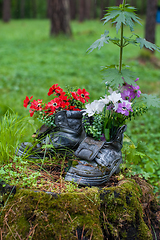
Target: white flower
{"x":105,"y":100}
{"x":111,"y":90}
{"x":115,"y":98}
{"x":99,"y":105}
{"x":95,"y":107}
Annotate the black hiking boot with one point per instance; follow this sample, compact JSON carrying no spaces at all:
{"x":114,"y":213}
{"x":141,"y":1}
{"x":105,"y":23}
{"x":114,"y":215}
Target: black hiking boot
{"x":99,"y":160}
{"x":67,"y":135}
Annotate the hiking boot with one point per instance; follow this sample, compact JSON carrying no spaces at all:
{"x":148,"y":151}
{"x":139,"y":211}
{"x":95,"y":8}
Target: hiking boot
{"x":67,"y":134}
{"x":99,"y":160}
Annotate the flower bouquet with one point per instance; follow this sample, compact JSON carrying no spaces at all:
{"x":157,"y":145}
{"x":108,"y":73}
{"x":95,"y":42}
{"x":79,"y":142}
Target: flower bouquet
{"x":63,"y":100}
{"x":103,"y":117}
{"x":61,"y":118}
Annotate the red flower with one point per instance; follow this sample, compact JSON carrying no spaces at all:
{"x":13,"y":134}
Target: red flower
{"x":36,"y":105}
{"x":82,"y":95}
{"x":74,"y":95}
{"x":64,"y":105}
{"x":56,"y":89}
{"x":63,"y":98}
{"x":62,"y":101}
{"x":73,"y":108}
{"x":27,"y":101}
{"x":31,"y":112}
{"x":53,"y":104}
{"x":59,"y":92}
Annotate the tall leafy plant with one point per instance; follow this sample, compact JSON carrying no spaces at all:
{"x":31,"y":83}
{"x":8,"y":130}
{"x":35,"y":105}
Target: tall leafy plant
{"x":116,"y":75}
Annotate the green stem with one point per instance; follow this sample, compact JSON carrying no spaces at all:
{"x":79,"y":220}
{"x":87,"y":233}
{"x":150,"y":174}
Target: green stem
{"x":124,"y":2}
{"x":121,"y":50}
{"x":121,"y":46}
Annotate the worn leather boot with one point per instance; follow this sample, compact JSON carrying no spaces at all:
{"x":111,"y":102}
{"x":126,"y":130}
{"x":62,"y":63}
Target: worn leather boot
{"x":99,"y":160}
{"x":67,"y":134}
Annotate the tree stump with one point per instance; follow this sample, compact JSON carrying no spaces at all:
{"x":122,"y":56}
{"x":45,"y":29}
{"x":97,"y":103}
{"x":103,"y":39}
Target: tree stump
{"x":127,"y":209}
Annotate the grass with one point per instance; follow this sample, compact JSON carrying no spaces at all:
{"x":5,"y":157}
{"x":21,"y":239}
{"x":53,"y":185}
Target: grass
{"x":31,"y":61}
{"x":13,"y":129}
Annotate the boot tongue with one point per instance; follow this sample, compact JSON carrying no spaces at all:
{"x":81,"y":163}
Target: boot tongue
{"x":89,"y":148}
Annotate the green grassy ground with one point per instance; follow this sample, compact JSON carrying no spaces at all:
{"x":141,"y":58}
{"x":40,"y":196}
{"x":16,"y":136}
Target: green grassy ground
{"x":31,"y":61}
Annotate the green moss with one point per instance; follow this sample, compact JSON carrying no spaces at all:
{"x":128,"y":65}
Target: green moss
{"x":111,"y":212}
{"x":123,"y":213}
{"x":52,"y":217}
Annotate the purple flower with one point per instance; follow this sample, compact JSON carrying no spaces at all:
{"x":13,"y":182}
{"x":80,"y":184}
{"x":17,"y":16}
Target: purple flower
{"x":126,"y":95}
{"x":125,"y":86}
{"x":136,"y":79}
{"x":124,"y":108}
{"x":129,"y":92}
{"x":103,"y":137}
{"x":110,"y":107}
{"x":135,"y":91}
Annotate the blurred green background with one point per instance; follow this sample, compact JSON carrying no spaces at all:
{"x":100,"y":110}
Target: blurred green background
{"x":31,"y":61}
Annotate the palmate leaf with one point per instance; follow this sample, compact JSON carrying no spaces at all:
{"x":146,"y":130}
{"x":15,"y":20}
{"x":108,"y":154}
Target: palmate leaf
{"x":144,"y":43}
{"x":131,"y":17}
{"x":111,"y":15}
{"x":129,"y":76}
{"x":99,"y":43}
{"x":115,"y":41}
{"x":114,"y":78}
{"x":120,"y":19}
{"x":121,"y":15}
{"x":129,"y":40}
{"x":151,"y":100}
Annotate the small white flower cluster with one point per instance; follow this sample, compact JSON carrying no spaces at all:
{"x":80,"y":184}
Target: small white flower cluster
{"x":112,"y":101}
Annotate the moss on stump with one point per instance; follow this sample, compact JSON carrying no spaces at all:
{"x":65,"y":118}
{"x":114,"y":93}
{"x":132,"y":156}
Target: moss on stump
{"x":115,"y":212}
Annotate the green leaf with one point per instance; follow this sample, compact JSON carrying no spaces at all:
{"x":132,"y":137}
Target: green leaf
{"x":114,"y":66}
{"x":151,"y":100}
{"x":111,"y":15}
{"x":47,"y":146}
{"x":115,"y":78}
{"x":140,"y":154}
{"x":133,"y":157}
{"x":141,"y":147}
{"x":131,"y":17}
{"x":106,"y":134}
{"x":144,"y":43}
{"x":119,"y":20}
{"x":128,"y":76}
{"x":129,"y":41}
{"x":121,"y":15}
{"x":99,"y":43}
{"x":115,"y":41}
{"x":149,"y":168}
